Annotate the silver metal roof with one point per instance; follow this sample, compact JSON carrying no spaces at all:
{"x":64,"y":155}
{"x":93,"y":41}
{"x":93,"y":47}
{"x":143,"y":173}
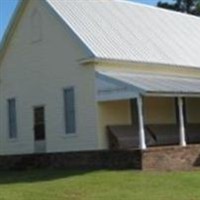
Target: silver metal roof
{"x":122,"y":30}
{"x":109,"y":90}
{"x":147,"y":84}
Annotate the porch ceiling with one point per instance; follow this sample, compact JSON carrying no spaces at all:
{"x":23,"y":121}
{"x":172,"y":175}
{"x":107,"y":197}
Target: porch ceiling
{"x":118,"y":85}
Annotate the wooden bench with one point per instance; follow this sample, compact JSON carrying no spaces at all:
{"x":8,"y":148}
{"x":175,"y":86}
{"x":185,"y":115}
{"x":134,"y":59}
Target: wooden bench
{"x":164,"y":134}
{"x":193,"y":133}
{"x":126,"y":137}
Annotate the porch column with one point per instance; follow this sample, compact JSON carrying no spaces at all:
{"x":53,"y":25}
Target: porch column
{"x":181,"y":122}
{"x":141,"y":123}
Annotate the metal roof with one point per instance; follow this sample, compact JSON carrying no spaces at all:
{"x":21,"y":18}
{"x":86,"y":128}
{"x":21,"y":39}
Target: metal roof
{"x":147,"y":84}
{"x":109,"y":90}
{"x":122,"y":30}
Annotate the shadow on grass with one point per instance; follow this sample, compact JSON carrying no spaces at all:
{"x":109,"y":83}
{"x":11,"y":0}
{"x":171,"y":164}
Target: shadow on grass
{"x":31,"y":176}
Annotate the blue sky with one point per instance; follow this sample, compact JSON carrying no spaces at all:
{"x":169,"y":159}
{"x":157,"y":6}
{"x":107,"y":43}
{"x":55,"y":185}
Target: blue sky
{"x":7,"y":8}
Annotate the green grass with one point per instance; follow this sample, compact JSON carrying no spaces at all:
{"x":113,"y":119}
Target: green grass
{"x":99,"y":185}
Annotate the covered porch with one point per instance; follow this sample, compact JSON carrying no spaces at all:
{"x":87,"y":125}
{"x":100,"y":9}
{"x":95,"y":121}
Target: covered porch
{"x":142,"y":110}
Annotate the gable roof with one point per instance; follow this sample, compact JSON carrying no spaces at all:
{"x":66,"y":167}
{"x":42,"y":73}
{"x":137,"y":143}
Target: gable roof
{"x":122,"y":30}
{"x":126,"y":31}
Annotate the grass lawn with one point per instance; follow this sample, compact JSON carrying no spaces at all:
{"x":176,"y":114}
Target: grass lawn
{"x":99,"y":185}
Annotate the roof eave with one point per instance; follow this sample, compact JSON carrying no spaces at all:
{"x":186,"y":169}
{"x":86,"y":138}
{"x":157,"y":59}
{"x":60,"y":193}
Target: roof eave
{"x":69,"y":28}
{"x":171,"y":94}
{"x":96,"y":60}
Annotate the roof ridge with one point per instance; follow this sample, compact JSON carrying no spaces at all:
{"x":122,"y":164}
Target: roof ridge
{"x":157,"y":8}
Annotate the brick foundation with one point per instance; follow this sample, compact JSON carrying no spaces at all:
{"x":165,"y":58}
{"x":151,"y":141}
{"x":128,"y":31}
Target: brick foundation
{"x":159,"y":158}
{"x":74,"y":160}
{"x":171,"y":158}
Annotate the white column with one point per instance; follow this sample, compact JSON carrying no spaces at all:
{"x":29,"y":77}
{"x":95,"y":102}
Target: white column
{"x":141,"y":123}
{"x":181,"y":122}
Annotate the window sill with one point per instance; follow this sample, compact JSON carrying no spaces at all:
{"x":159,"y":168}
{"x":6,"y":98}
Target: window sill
{"x":70,"y":135}
{"x":13,"y":140}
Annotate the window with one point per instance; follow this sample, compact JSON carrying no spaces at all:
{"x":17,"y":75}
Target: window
{"x":39,"y":123}
{"x":12,"y":118}
{"x":69,"y":109}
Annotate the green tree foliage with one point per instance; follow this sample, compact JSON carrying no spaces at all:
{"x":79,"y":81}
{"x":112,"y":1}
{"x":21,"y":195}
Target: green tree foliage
{"x":186,"y":6}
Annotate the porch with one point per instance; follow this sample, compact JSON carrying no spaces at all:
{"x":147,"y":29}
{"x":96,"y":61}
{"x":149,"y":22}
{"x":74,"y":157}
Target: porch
{"x":141,"y":111}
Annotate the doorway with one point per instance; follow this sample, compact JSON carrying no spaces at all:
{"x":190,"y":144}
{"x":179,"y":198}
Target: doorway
{"x":39,"y":129}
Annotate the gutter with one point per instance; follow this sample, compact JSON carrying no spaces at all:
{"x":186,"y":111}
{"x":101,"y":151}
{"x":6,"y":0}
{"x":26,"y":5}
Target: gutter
{"x":90,"y":60}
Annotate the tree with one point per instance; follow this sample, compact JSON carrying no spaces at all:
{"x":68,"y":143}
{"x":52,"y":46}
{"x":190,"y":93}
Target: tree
{"x":186,"y":6}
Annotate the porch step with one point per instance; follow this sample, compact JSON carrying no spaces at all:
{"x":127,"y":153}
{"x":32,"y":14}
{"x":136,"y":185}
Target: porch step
{"x":172,"y":158}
